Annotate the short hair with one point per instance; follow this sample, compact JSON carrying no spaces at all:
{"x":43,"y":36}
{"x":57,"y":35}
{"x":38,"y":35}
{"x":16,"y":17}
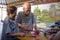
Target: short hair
{"x":26,"y":3}
{"x":11,"y":9}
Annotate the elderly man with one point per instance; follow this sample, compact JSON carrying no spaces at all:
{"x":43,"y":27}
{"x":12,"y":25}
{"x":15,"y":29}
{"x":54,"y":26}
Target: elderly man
{"x":26,"y":19}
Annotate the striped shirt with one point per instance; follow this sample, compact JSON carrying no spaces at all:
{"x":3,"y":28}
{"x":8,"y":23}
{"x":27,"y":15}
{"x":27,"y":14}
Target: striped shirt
{"x":8,"y":27}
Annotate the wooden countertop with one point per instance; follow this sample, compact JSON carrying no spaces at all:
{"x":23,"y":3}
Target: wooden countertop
{"x":37,"y":37}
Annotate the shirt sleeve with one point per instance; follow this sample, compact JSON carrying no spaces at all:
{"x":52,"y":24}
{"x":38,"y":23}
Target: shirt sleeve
{"x":7,"y":30}
{"x":18,"y":18}
{"x":33,"y":20}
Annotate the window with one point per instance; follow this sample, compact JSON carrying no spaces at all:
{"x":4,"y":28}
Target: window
{"x":2,"y":12}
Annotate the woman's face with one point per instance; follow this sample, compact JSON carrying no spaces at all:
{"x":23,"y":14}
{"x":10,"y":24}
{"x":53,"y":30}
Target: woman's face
{"x":14,"y":14}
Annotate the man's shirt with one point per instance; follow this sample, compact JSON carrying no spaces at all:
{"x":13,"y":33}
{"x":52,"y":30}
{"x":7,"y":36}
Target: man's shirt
{"x":28,"y":21}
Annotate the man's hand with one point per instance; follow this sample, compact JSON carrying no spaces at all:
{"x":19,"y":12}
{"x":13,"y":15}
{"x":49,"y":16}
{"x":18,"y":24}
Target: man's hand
{"x":16,"y":34}
{"x":35,"y":27}
{"x":24,"y":27}
{"x":38,"y":31}
{"x":20,"y":34}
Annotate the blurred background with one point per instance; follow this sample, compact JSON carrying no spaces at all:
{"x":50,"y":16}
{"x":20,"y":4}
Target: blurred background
{"x":46,"y":12}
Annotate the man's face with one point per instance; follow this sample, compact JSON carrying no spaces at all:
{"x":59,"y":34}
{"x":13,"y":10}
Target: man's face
{"x":27,"y":10}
